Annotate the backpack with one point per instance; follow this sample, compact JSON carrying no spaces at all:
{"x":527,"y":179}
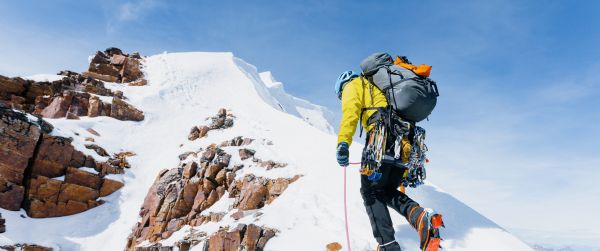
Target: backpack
{"x":408,"y":90}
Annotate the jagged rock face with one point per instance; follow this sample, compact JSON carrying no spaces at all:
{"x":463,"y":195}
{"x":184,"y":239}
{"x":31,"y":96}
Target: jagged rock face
{"x":25,"y":247}
{"x":18,"y":141}
{"x":113,"y":65}
{"x":242,"y":237}
{"x":29,"y":160}
{"x":66,"y":98}
{"x":180,"y":195}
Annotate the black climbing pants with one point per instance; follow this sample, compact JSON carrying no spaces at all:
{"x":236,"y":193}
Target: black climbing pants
{"x":378,"y":196}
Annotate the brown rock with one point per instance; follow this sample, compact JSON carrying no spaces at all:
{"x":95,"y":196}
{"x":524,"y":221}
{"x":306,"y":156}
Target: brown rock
{"x":212,"y":198}
{"x":103,"y":77}
{"x":237,"y":215}
{"x":12,"y":85}
{"x":267,"y":234}
{"x":277,"y":186}
{"x":18,"y":139}
{"x":98,"y":149}
{"x":334,"y":246}
{"x":124,"y":111}
{"x":2,"y":224}
{"x":109,"y":186}
{"x":11,"y":195}
{"x":202,"y":131}
{"x":83,"y":178}
{"x":40,"y":103}
{"x":221,"y":176}
{"x":17,"y":102}
{"x":54,"y":156}
{"x":194,"y":133}
{"x":198,"y":201}
{"x":269,"y":164}
{"x":131,"y":70}
{"x":79,"y":104}
{"x":246,"y":153}
{"x":117,"y":59}
{"x":189,"y":169}
{"x":251,"y":237}
{"x":212,"y":170}
{"x":105,"y":168}
{"x":208,"y":185}
{"x":95,"y":107}
{"x":72,"y":192}
{"x":185,"y":155}
{"x":92,"y":131}
{"x":77,"y":159}
{"x":222,"y":112}
{"x":139,"y":82}
{"x":58,"y":107}
{"x":252,"y":196}
{"x":44,"y":189}
{"x":209,"y":154}
{"x":112,"y":51}
{"x":225,"y":241}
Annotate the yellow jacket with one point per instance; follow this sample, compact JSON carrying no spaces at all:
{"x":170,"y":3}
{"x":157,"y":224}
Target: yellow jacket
{"x":359,"y":93}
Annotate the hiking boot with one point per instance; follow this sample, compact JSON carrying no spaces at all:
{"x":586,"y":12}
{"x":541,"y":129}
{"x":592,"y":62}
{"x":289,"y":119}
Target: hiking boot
{"x":390,"y":246}
{"x":427,"y":223}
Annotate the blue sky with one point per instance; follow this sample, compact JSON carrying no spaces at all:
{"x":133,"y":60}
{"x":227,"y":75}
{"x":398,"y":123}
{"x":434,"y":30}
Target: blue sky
{"x":515,"y":133}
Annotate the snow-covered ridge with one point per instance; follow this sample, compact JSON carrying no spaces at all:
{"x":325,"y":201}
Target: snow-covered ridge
{"x":316,"y":115}
{"x":185,"y":88}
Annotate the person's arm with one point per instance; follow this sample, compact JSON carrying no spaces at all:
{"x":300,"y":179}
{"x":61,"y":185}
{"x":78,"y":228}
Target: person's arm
{"x":351,"y":110}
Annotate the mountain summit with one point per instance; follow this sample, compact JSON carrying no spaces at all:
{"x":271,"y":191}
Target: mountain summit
{"x":219,"y":157}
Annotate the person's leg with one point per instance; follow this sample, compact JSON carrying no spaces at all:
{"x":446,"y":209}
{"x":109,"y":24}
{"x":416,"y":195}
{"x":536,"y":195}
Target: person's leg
{"x":395,"y":199}
{"x":373,"y":196}
{"x":418,"y":217}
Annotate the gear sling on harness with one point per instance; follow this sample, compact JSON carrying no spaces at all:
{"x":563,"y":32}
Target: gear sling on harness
{"x":406,"y":135}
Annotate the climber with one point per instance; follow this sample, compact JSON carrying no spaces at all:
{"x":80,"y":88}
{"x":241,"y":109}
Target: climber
{"x":362,"y":100}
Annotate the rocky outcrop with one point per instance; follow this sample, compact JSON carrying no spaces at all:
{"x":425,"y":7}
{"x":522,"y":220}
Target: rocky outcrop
{"x":222,"y":120}
{"x":25,"y":247}
{"x":121,"y":110}
{"x":72,"y":97}
{"x":242,"y":237}
{"x":179,"y":196}
{"x":32,"y":163}
{"x":269,"y":164}
{"x":113,"y":65}
{"x":237,"y":141}
{"x":32,"y":97}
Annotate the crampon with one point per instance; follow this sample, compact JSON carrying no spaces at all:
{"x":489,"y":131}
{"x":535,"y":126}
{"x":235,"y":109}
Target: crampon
{"x":432,"y":238}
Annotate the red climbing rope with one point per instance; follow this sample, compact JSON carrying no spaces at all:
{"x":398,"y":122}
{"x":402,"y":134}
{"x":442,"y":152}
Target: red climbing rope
{"x":346,"y":212}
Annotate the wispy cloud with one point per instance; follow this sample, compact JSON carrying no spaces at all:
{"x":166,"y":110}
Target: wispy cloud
{"x":574,"y":86}
{"x":128,"y":12}
{"x":135,"y":9}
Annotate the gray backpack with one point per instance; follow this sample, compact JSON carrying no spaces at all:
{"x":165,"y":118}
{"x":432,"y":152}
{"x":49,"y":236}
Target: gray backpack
{"x":411,"y":96}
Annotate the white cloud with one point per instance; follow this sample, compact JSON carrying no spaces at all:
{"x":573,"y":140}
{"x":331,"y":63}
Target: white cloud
{"x":574,"y":86}
{"x":133,"y":10}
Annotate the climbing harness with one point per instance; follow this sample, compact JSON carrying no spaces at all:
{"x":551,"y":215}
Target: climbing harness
{"x":415,"y":167}
{"x":374,"y":153}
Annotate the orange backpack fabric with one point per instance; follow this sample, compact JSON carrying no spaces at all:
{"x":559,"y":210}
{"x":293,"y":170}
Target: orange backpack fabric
{"x":422,"y":70}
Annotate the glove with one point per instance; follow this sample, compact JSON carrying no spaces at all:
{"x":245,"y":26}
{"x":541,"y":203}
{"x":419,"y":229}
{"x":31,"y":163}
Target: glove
{"x":342,"y":154}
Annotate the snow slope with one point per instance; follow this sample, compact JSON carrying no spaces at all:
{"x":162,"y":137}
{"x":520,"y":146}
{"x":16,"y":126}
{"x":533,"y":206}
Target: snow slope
{"x":316,"y":115}
{"x":186,"y":88}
